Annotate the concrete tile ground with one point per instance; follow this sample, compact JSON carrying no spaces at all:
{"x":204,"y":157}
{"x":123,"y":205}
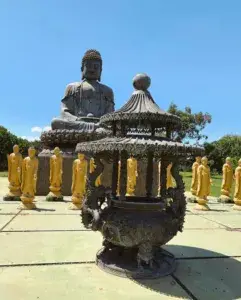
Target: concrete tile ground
{"x":47,"y":254}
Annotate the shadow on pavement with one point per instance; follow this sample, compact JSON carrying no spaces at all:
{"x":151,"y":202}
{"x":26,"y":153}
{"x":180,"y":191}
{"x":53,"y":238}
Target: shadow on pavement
{"x":203,"y":274}
{"x":44,"y":209}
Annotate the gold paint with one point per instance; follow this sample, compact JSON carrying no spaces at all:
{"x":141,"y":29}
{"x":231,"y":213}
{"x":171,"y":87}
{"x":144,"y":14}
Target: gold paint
{"x":227,"y":180}
{"x":79,"y":176}
{"x":169,"y":176}
{"x":194,"y":183}
{"x":55,"y":178}
{"x":14,"y":173}
{"x":29,"y":179}
{"x":204,"y":185}
{"x":237,"y":191}
{"x":132,"y":174}
{"x":92,"y":168}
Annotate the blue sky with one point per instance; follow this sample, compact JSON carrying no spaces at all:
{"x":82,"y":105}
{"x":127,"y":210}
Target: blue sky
{"x":190,"y":49}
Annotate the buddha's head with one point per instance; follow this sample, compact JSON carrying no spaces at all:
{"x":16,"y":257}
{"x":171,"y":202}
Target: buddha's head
{"x":56,"y":151}
{"x":91,"y":65}
{"x":15,"y":149}
{"x":198,"y":159}
{"x":81,"y":156}
{"x":239,"y":162}
{"x":204,"y":161}
{"x":228,"y":160}
{"x":31,"y":152}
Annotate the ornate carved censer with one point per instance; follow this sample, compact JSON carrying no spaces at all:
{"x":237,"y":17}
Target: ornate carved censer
{"x":134,"y":228}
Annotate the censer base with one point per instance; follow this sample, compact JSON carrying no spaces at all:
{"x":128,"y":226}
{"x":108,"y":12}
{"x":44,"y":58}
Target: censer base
{"x":122,"y":262}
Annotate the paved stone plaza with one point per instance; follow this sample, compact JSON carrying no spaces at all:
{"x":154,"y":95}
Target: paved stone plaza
{"x":47,"y":254}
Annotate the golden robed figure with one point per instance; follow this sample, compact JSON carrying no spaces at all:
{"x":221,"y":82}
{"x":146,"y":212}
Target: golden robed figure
{"x":194,"y":183}
{"x":80,"y":166}
{"x":204,"y":185}
{"x":29,"y":179}
{"x":169,"y":176}
{"x":131,"y":176}
{"x":237,"y":191}
{"x":14,"y":174}
{"x":55,"y":178}
{"x":92,"y":168}
{"x":227,"y":181}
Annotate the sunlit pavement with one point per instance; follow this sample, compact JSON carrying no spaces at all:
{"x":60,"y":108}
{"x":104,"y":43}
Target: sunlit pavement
{"x":48,"y":254}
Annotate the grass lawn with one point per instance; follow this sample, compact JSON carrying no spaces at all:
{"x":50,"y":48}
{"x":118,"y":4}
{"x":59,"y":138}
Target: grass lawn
{"x":4,"y":174}
{"x":215,"y":187}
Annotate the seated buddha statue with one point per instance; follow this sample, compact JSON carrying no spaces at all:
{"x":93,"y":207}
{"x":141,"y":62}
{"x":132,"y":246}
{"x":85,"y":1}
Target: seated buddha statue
{"x":86,"y":101}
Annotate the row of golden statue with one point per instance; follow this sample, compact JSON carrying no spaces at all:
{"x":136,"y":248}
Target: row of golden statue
{"x":201,"y":183}
{"x":22,"y":176}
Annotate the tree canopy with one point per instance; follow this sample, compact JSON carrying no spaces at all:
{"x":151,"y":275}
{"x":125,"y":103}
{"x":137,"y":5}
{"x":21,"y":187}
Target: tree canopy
{"x":192,"y":124}
{"x":7,"y":141}
{"x":218,"y":151}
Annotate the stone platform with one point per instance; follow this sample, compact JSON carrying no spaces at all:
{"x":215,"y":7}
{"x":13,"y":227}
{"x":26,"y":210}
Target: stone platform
{"x":48,"y":254}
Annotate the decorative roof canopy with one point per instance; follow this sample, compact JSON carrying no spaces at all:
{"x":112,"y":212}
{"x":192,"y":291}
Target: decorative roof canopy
{"x":138,"y":122}
{"x":141,"y":109}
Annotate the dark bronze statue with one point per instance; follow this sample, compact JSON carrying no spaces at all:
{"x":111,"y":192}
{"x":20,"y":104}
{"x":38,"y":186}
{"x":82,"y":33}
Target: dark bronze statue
{"x":86,"y":101}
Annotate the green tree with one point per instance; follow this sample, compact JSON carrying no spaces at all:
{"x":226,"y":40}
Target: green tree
{"x":218,"y":151}
{"x":192,"y":124}
{"x":7,"y":141}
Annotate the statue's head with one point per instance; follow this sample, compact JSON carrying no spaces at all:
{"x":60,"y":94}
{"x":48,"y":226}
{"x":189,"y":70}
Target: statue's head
{"x":228,"y":160}
{"x":56,"y":151}
{"x":239,"y":162}
{"x":91,"y":65}
{"x":198,"y":159}
{"x":15,"y":149}
{"x":204,"y":161}
{"x":31,"y":152}
{"x":81,"y":156}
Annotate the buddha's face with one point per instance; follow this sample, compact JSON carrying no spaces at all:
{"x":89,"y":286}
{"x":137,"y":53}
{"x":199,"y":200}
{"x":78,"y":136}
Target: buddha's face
{"x":31,"y":152}
{"x":15,"y":149}
{"x":91,"y":69}
{"x":56,"y":151}
{"x":205,"y":161}
{"x":81,"y":156}
{"x":198,"y":159}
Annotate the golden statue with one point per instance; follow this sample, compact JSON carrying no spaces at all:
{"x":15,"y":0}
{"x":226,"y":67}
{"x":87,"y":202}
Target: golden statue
{"x":55,"y":178}
{"x":131,"y":176}
{"x":204,"y":184}
{"x":194,"y":183}
{"x":92,"y":168}
{"x":29,"y":179}
{"x":227,"y":181}
{"x":169,"y":176}
{"x":237,"y":191}
{"x":14,"y":174}
{"x":79,"y":176}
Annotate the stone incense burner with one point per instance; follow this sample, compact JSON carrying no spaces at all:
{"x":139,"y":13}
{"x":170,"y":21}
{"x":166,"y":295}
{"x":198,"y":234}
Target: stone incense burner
{"x":135,"y":227}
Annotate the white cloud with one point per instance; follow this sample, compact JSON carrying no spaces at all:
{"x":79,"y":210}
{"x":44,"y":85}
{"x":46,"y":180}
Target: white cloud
{"x":30,"y":138}
{"x":36,"y":129}
{"x":46,"y":128}
{"x":40,"y":129}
